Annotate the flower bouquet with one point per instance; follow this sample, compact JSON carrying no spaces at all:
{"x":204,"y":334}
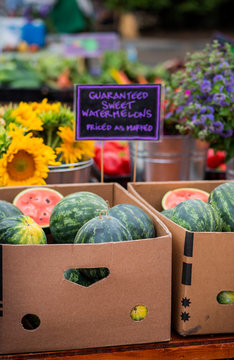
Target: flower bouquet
{"x":34,"y":136}
{"x":199,"y":98}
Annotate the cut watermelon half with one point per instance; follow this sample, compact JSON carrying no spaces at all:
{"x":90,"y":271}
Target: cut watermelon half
{"x":38,"y":203}
{"x":176,"y":196}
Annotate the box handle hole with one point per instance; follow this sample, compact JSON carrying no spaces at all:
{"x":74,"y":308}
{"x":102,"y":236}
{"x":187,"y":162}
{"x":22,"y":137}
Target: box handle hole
{"x":138,"y":312}
{"x":86,"y":276}
{"x":30,"y":321}
{"x":225,"y":297}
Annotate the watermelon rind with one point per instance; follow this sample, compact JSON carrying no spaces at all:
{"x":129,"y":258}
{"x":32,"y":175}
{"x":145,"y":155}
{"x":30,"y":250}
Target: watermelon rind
{"x":101,"y":229}
{"x":7,"y":210}
{"x":222,"y":200}
{"x":72,"y":212}
{"x":135,"y":220}
{"x":22,"y":193}
{"x":196,"y":215}
{"x":75,"y":276}
{"x":167,"y":195}
{"x":21,"y":230}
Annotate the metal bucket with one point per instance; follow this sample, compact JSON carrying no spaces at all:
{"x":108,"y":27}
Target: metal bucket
{"x":70,"y":173}
{"x":174,"y":158}
{"x":197,"y":161}
{"x":230,"y":169}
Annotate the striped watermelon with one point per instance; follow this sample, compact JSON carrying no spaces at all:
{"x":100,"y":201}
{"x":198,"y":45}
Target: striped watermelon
{"x":75,"y":276}
{"x":222,"y":200}
{"x":195,"y":215}
{"x":21,"y":230}
{"x":135,"y":220}
{"x":101,"y":229}
{"x":72,"y":212}
{"x":8,"y":210}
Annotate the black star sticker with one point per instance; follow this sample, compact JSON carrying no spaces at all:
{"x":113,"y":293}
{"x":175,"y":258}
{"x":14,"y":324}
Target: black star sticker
{"x":185,"y":316}
{"x":185,"y":302}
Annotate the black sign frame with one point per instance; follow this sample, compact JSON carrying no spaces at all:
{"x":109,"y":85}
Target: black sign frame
{"x":135,"y":116}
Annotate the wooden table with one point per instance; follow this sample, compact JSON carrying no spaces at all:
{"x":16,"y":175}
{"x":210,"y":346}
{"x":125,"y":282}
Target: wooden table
{"x":189,"y":348}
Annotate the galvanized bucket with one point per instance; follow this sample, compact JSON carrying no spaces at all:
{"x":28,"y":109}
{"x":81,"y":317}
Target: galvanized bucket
{"x":70,"y":173}
{"x":171,"y":159}
{"x":230,"y":169}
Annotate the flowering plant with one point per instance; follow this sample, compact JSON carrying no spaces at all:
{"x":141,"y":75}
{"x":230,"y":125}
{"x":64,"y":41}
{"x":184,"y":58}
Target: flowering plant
{"x":199,"y":98}
{"x":34,"y":136}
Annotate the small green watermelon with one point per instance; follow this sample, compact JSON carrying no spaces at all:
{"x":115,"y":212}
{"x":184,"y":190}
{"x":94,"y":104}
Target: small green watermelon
{"x":21,"y":230}
{"x":72,"y":212}
{"x":101,"y":229}
{"x":75,"y":276}
{"x":135,"y":220}
{"x":196,"y":215}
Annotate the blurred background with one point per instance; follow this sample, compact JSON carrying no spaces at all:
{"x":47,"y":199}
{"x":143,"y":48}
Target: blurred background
{"x":47,"y":46}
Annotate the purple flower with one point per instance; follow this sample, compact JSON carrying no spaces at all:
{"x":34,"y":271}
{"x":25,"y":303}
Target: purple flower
{"x":168,"y":115}
{"x":219,"y":98}
{"x":210,"y":109}
{"x":179,"y":109}
{"x":205,"y":86}
{"x":227,"y":133}
{"x":218,"y":78}
{"x":224,"y":64}
{"x":217,"y":127}
{"x":210,"y":117}
{"x":230,"y":88}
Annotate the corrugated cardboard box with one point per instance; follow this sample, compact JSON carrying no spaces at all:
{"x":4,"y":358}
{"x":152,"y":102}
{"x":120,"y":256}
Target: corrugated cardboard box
{"x":203,"y":266}
{"x":72,"y":316}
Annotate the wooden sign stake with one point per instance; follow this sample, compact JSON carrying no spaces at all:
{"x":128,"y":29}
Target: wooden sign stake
{"x":102,"y":162}
{"x":135,"y":163}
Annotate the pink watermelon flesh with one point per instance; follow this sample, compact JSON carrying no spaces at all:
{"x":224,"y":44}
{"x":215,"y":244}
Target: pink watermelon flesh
{"x":38,"y":203}
{"x":174,"y":197}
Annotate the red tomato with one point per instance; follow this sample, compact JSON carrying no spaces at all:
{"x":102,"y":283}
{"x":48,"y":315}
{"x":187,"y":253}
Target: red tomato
{"x":116,"y":145}
{"x":111,"y":163}
{"x":214,"y":159}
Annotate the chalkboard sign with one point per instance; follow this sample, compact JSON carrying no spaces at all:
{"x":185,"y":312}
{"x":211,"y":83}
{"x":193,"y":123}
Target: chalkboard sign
{"x":117,"y":112}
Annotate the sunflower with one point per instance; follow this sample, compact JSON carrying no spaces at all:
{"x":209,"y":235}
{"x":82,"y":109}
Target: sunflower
{"x":44,"y":106}
{"x":71,"y":151}
{"x":25,"y":161}
{"x":26,"y":116}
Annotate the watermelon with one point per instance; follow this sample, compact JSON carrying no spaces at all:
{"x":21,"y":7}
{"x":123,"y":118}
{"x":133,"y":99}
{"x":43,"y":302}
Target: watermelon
{"x":72,"y":212}
{"x":101,"y":229}
{"x":222,"y":200}
{"x":195,"y":215}
{"x":226,"y":297}
{"x":138,"y":312}
{"x":8,"y":210}
{"x":168,"y":213}
{"x":75,"y":276}
{"x":176,"y":196}
{"x":135,"y":220}
{"x":38,"y":203}
{"x":21,"y":229}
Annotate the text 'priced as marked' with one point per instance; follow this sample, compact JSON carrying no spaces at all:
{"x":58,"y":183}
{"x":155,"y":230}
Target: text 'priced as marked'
{"x":118,"y":112}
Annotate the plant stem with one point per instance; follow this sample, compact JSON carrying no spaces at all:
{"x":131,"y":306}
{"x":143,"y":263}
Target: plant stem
{"x":49,"y":137}
{"x":55,"y":142}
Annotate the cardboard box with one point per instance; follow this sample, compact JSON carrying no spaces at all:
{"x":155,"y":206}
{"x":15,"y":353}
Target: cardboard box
{"x":203,"y":266}
{"x":73,"y":316}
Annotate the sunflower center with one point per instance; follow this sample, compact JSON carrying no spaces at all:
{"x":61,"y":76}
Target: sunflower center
{"x":22,"y":166}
